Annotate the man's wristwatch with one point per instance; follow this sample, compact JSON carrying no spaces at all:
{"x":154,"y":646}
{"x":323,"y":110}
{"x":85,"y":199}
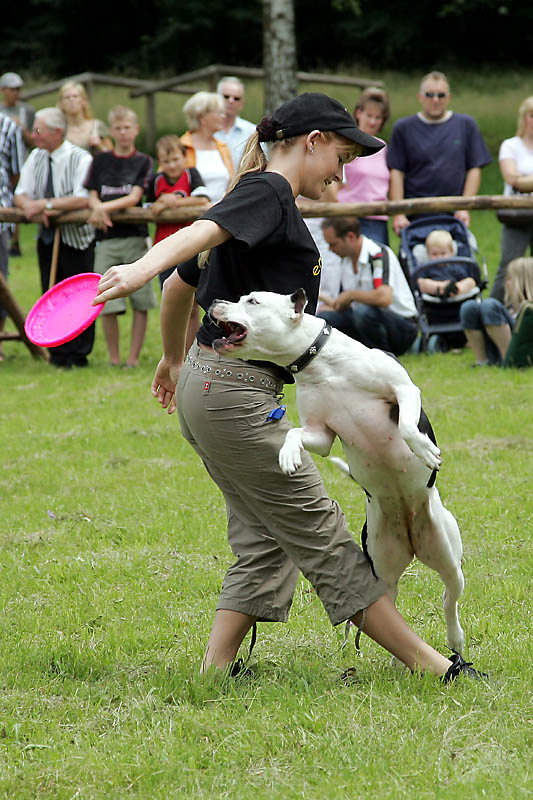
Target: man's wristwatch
{"x":49,"y":205}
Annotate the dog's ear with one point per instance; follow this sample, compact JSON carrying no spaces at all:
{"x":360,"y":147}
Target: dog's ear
{"x":299,"y":300}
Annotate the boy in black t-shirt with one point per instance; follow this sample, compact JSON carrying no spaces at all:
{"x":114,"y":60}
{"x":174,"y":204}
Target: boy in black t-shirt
{"x":118,"y":179}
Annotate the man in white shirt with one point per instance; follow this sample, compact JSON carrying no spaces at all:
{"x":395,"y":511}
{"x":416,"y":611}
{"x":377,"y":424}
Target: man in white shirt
{"x":236,"y":130}
{"x":371,"y":301}
{"x":51,"y":182}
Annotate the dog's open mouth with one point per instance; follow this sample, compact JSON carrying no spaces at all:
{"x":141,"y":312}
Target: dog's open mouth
{"x":235,"y":334}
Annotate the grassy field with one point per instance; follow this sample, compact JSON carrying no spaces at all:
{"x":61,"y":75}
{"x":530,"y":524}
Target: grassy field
{"x":113,"y":549}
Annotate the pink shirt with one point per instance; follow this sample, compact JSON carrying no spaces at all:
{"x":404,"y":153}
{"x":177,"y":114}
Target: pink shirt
{"x":367,"y":179}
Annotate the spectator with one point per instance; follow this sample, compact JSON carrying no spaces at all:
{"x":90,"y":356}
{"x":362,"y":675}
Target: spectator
{"x":23,"y":114}
{"x":11,"y":158}
{"x":52,"y":182}
{"x":118,"y":179}
{"x":488,"y":325}
{"x":373,"y":303}
{"x":436,"y":152}
{"x":444,"y":279}
{"x":516,"y":165}
{"x":235,"y":130}
{"x":175,"y":186}
{"x":368,"y":179}
{"x":82,"y":128}
{"x":212,"y":158}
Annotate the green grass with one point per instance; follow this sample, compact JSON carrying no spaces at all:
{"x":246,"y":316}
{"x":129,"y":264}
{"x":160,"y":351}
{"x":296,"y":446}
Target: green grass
{"x":113,"y":549}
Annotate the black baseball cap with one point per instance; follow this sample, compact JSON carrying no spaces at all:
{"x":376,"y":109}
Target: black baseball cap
{"x":314,"y":110}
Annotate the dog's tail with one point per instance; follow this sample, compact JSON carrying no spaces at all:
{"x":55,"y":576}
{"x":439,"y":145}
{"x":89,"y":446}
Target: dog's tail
{"x":340,"y":464}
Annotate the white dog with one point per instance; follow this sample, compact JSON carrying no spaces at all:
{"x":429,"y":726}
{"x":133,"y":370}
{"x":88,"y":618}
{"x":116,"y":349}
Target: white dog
{"x":366,"y":398}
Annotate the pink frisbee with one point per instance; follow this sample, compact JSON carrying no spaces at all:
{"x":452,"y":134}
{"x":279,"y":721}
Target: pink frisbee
{"x":64,"y":311}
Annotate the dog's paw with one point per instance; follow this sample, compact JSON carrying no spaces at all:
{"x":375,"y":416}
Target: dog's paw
{"x":426,"y":451}
{"x":290,"y":458}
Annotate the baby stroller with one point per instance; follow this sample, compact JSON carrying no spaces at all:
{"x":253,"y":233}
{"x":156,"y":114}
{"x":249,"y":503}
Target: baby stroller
{"x":439,"y":321}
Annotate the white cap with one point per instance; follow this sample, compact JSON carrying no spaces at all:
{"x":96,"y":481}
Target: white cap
{"x":11,"y":80}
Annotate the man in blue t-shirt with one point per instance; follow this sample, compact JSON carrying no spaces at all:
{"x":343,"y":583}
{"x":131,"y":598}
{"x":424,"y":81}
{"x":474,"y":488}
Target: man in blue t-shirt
{"x":435,"y":153}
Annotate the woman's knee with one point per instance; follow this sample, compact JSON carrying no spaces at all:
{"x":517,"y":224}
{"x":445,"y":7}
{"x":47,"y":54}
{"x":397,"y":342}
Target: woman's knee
{"x":470,"y":315}
{"x":492,"y":312}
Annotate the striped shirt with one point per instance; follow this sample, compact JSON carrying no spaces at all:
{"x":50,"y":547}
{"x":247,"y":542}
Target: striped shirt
{"x":70,"y":165}
{"x":11,"y":157}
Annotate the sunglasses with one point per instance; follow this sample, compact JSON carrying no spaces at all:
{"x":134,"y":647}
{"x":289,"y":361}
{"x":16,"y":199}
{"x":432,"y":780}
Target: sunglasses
{"x":440,"y":95}
{"x":231,"y":97}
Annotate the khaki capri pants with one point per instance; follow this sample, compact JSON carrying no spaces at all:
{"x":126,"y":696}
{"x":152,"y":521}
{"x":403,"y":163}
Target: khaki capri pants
{"x":277,"y":524}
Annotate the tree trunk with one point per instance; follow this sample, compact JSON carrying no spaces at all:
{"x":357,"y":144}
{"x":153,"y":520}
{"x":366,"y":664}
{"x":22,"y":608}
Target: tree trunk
{"x":279,"y":53}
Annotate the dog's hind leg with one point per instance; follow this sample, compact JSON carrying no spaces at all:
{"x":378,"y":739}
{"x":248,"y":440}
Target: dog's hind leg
{"x":439,"y":547}
{"x":387,"y":545}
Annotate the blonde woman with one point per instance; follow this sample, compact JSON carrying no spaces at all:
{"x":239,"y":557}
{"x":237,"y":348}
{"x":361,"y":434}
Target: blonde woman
{"x":277,"y":525}
{"x":489,"y":325}
{"x":516,"y":166}
{"x":82,"y":128}
{"x":369,"y":180}
{"x":204,"y":112}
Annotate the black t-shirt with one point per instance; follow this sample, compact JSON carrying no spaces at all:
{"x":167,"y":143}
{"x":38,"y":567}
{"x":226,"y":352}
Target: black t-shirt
{"x":271,"y":248}
{"x":115,"y":176}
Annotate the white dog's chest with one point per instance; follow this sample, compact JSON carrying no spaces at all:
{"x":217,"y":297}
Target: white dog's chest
{"x":359,"y":419}
{"x":379,"y":459}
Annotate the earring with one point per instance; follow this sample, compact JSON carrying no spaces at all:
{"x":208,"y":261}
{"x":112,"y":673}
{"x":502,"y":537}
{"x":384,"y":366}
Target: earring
{"x":311,"y":148}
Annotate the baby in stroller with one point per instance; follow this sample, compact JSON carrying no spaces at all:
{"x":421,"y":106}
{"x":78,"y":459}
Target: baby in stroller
{"x":447,"y":278}
{"x":437,"y":253}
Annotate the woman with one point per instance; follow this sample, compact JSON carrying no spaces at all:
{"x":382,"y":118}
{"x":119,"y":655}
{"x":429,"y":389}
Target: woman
{"x":82,"y":129}
{"x":368,"y":180}
{"x":204,"y":112}
{"x":488,"y":325}
{"x":276,"y":525}
{"x":516,"y":166}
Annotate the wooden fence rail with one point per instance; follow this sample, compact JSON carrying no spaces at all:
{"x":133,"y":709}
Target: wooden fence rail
{"x":419,"y":205}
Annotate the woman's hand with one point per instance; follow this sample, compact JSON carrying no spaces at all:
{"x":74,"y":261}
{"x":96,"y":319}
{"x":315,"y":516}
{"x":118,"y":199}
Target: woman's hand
{"x":120,"y":281}
{"x":164,"y":384}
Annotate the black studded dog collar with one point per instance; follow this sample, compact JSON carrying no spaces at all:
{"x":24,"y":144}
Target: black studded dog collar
{"x":311,"y":351}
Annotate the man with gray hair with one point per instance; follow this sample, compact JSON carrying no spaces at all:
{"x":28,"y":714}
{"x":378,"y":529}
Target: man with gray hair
{"x":52,"y":182}
{"x":236,"y":130}
{"x":435,"y":153}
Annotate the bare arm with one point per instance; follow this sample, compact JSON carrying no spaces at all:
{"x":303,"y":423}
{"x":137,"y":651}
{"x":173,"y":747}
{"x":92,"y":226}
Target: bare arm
{"x":176,"y":305}
{"x":100,"y":210}
{"x":470,"y":189}
{"x":127,"y":201}
{"x":472,"y":182}
{"x":171,"y":200}
{"x":32,"y":208}
{"x":396,"y":192}
{"x":522,"y":183}
{"x":122,"y":280}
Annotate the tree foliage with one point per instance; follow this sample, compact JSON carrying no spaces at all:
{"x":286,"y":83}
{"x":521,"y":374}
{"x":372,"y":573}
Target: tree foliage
{"x":59,"y":37}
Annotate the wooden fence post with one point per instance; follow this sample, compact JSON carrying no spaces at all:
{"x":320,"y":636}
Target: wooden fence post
{"x":11,"y":306}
